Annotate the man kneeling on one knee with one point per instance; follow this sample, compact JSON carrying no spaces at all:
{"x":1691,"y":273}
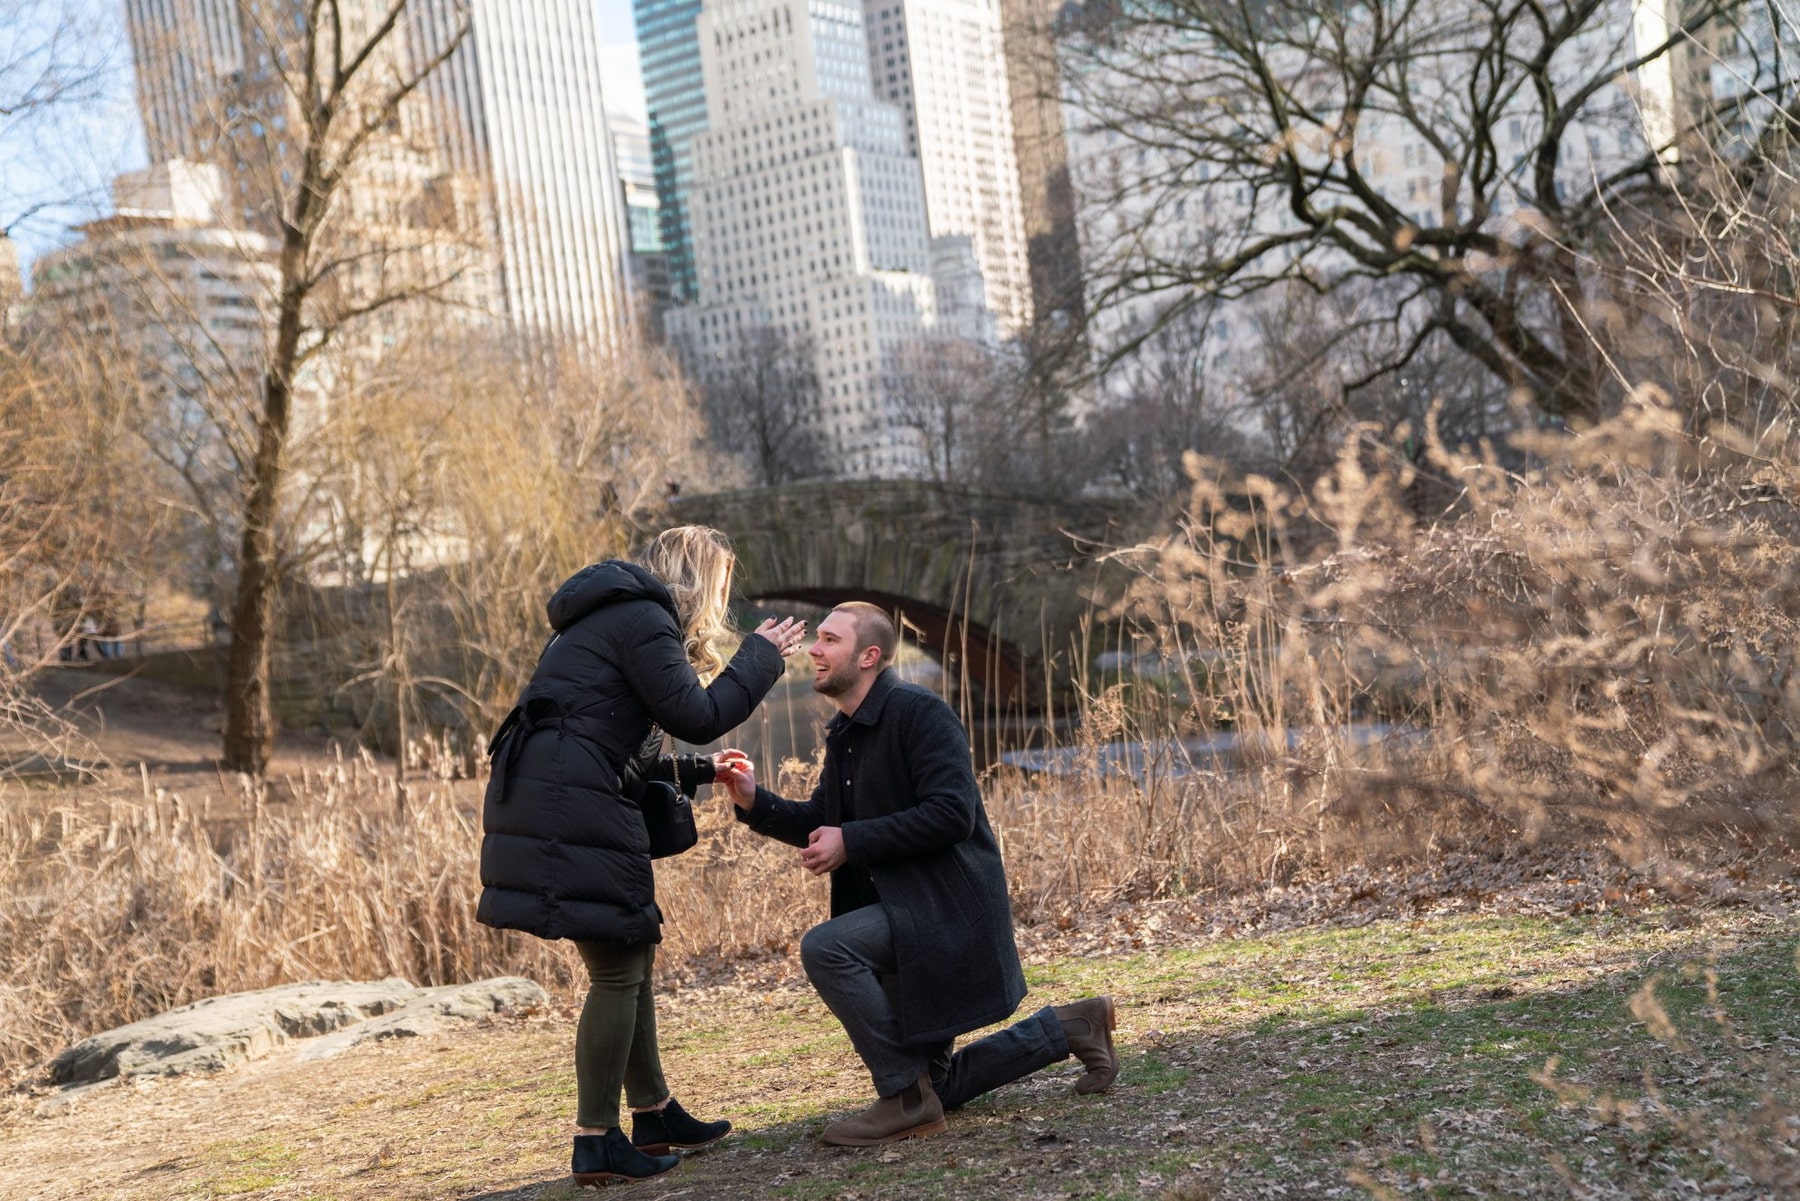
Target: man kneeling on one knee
{"x":919,"y":948}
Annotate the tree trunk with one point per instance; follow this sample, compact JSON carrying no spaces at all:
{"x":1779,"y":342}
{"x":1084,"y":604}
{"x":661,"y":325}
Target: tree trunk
{"x":319,"y":74}
{"x":249,"y":716}
{"x":401,"y":682}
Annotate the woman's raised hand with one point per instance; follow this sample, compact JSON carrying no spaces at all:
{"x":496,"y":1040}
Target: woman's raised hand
{"x":787,"y":634}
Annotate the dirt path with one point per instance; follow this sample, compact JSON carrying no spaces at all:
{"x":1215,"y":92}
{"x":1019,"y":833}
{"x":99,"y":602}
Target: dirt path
{"x":137,"y":728}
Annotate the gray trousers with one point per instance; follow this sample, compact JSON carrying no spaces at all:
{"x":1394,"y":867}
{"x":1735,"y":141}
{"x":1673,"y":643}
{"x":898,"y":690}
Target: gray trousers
{"x":846,"y":959}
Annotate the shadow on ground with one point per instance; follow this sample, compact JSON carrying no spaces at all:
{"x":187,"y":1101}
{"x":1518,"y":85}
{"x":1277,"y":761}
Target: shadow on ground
{"x":1657,"y":1076}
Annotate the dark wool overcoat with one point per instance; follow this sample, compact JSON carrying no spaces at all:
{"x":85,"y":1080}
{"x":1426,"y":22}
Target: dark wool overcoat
{"x":920,"y":830}
{"x":564,"y":853}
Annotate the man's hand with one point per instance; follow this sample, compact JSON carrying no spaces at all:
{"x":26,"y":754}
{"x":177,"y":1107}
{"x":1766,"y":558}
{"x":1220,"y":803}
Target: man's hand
{"x":824,"y":851}
{"x":733,"y":770}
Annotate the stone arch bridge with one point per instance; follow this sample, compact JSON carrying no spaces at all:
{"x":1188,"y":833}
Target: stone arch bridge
{"x":995,"y":586}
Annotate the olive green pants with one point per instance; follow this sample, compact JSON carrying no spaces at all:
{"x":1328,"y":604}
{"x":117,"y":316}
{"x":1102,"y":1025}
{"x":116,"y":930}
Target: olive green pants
{"x":615,"y":1042}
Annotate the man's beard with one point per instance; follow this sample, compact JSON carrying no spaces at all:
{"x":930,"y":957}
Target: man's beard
{"x":837,"y":682}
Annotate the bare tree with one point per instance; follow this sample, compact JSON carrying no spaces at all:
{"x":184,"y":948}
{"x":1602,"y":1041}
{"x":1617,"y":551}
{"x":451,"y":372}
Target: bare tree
{"x":167,"y":319}
{"x":1295,"y":411}
{"x":345,"y":77}
{"x":70,"y":513}
{"x":53,"y":65}
{"x":1001,"y":418}
{"x":572,"y":471}
{"x":444,"y":519}
{"x":43,"y":62}
{"x":78,"y":531}
{"x":1713,"y":282}
{"x":1457,"y":162}
{"x":1174,"y":399}
{"x":1039,"y":448}
{"x":951,"y":393}
{"x":764,"y":396}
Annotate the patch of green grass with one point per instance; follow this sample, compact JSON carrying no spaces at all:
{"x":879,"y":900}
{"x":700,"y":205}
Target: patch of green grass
{"x":556,"y":1090}
{"x":1410,"y":1055}
{"x":1153,"y":1073}
{"x":778,"y":1125}
{"x":1451,"y":1057}
{"x":1433,"y":1065}
{"x":794,"y":1052}
{"x":244,"y":1166}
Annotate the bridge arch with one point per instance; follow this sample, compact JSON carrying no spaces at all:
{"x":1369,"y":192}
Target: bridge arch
{"x":986,"y":581}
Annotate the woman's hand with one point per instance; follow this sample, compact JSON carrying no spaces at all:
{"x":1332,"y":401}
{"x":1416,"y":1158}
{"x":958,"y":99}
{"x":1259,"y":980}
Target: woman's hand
{"x":733,"y":770}
{"x":787,"y":635}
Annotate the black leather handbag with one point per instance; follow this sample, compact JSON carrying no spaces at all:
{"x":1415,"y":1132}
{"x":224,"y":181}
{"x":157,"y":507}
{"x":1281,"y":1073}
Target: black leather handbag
{"x":668,"y":819}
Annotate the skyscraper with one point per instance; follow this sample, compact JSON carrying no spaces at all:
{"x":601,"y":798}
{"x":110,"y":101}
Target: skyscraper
{"x":180,"y":297}
{"x":1040,"y":138}
{"x":211,"y":88}
{"x":519,"y":105}
{"x":808,"y":217}
{"x":648,"y":259}
{"x":184,"y":51}
{"x":675,"y":95}
{"x":942,"y":62}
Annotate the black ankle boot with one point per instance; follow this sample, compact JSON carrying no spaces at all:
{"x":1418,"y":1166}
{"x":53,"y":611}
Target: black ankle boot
{"x":605,"y":1159}
{"x":672,"y":1128}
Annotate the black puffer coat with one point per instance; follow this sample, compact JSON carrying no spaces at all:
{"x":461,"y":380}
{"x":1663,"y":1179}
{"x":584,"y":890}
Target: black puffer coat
{"x":564,"y":853}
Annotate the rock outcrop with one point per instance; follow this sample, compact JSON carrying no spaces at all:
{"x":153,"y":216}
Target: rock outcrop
{"x":219,"y":1032}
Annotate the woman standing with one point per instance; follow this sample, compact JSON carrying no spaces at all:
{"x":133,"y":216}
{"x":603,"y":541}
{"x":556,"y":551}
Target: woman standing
{"x":565,"y":853}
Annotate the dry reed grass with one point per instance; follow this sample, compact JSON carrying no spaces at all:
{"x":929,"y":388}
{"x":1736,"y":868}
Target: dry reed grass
{"x":1599,"y":647}
{"x":111,"y":915}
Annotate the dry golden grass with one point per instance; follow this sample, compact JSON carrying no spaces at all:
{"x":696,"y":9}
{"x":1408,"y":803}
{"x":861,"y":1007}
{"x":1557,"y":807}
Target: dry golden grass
{"x":1596,"y":648}
{"x":1598,"y":641}
{"x":110,"y":914}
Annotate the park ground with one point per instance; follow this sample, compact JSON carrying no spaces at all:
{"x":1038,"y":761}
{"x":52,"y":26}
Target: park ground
{"x":1633,"y":1053}
{"x":1520,"y":1025}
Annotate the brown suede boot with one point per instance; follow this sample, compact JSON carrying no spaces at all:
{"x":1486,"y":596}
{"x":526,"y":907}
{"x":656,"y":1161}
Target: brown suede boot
{"x":1088,"y":1025}
{"x":911,"y":1113}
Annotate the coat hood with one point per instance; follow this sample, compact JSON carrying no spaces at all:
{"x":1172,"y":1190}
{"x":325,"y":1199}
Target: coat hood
{"x":603,"y":584}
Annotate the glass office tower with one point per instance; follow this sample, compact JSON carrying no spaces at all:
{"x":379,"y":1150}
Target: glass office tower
{"x":675,"y":95}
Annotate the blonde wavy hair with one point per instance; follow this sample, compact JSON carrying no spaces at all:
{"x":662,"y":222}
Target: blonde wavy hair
{"x":695,"y":563}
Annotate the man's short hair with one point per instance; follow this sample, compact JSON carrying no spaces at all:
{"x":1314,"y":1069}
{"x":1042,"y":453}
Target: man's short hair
{"x":873,"y":628}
